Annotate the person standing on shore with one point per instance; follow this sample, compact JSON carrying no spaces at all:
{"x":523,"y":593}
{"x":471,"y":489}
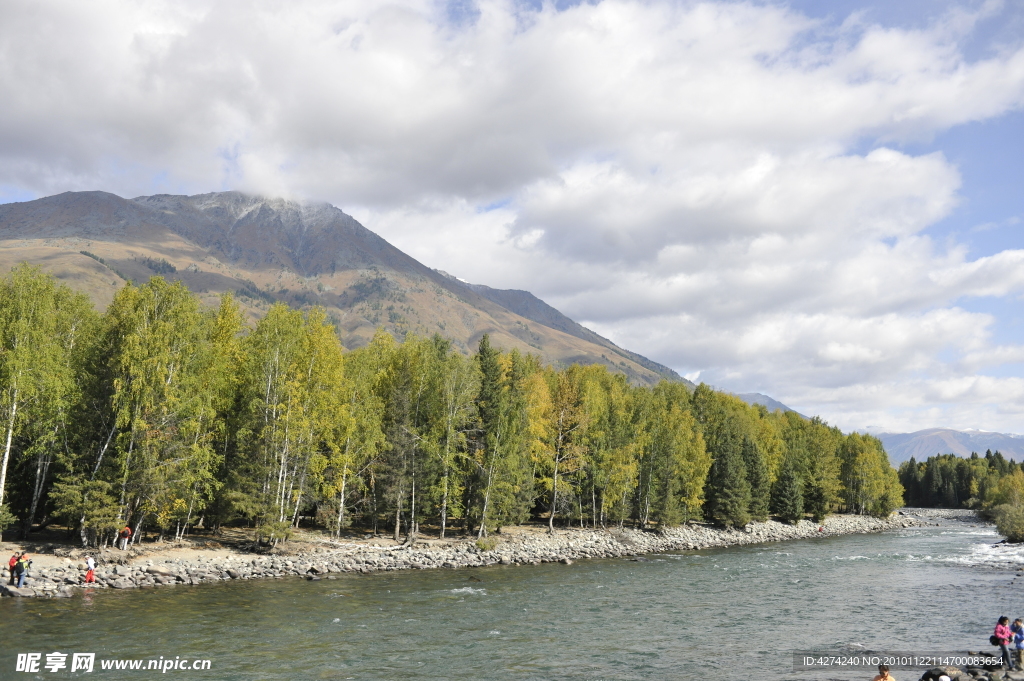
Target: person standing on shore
{"x":883,"y":674}
{"x":21,"y":568}
{"x":1017,"y":629}
{"x":126,"y":534}
{"x":1002,"y":636}
{"x":90,"y":572}
{"x":10,"y":566}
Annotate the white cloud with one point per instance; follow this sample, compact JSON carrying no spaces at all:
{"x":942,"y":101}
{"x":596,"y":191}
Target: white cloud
{"x":717,"y":185}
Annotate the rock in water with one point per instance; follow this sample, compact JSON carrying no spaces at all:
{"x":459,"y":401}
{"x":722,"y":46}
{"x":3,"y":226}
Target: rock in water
{"x":23,"y":592}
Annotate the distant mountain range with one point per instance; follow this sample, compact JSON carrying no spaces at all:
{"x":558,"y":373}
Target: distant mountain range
{"x":925,"y":443}
{"x":929,"y":442}
{"x":267,"y":250}
{"x":769,"y":402}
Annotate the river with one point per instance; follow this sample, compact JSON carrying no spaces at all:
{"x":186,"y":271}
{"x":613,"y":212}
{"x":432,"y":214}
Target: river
{"x":736,"y":613}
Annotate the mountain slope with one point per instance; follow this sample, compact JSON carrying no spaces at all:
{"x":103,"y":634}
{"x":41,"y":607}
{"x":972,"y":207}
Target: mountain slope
{"x":268,"y":250}
{"x":527,"y":305}
{"x":925,"y":443}
{"x":770,"y":403}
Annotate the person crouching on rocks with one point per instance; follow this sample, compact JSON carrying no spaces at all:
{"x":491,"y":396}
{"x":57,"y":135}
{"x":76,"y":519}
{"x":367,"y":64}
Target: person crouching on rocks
{"x":1001,"y":637}
{"x":883,"y":674}
{"x":90,"y":570}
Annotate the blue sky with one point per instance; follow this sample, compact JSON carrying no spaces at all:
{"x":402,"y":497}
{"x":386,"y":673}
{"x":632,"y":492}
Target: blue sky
{"x":990,"y":218}
{"x":818,"y":201}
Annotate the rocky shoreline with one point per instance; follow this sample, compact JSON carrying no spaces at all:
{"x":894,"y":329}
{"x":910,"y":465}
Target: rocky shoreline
{"x":973,"y":673}
{"x":515,"y":546}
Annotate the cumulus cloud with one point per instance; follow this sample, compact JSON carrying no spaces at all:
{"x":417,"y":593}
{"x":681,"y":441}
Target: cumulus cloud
{"x":724,"y":187}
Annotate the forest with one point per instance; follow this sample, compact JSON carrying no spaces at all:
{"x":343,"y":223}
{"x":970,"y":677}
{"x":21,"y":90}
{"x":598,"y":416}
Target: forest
{"x":951,"y":481}
{"x":167,"y":415}
{"x":990,"y":484}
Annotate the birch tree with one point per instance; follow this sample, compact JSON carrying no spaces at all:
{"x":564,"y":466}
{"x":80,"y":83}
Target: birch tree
{"x":160,"y":363}
{"x":614,"y":444}
{"x":295,"y":415}
{"x":41,"y":323}
{"x":680,"y":461}
{"x":566,"y":447}
{"x":455,"y":382}
{"x":49,"y":437}
{"x":362,"y":436}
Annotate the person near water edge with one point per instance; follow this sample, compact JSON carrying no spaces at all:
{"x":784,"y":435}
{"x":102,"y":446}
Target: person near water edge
{"x":1002,"y":636}
{"x":1017,"y":629}
{"x":90,"y":572}
{"x":10,"y":566}
{"x":21,"y":568}
{"x":883,"y":674}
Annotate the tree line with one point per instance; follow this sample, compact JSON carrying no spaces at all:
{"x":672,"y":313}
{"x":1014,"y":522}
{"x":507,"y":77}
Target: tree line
{"x":990,"y":484}
{"x":165,"y":415}
{"x":951,"y":481}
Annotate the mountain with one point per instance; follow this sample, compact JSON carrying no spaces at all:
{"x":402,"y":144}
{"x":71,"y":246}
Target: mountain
{"x":267,"y":250}
{"x":770,"y":403}
{"x":527,"y":305}
{"x":925,"y":443}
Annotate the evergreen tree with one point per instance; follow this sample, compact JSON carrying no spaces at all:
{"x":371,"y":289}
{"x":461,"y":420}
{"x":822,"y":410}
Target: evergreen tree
{"x":489,"y":411}
{"x":730,"y":497}
{"x":757,"y":476}
{"x":514,"y":493}
{"x":787,"y":500}
{"x":503,"y":463}
{"x":408,"y":471}
{"x":816,"y":501}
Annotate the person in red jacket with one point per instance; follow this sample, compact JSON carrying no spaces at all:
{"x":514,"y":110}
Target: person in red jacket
{"x":125,"y":535}
{"x":21,"y":568}
{"x":1003,"y":635}
{"x":10,"y":566}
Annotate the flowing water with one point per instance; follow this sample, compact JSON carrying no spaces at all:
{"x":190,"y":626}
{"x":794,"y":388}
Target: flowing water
{"x":736,"y":613}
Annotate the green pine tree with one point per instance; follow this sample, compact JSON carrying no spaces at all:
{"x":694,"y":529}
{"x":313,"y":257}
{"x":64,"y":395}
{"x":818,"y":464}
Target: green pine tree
{"x":816,"y":501}
{"x":757,"y":476}
{"x":730,"y":500}
{"x":787,"y":500}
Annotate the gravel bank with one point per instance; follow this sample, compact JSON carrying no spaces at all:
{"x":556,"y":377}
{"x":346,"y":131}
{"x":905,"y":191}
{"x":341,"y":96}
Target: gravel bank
{"x":963,"y":514}
{"x":515,"y":546}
